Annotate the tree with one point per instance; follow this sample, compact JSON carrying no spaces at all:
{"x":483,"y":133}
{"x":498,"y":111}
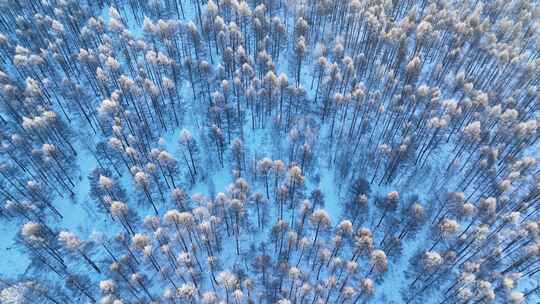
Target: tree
{"x":378,"y":262}
{"x":296,"y":180}
{"x":265,"y":165}
{"x":41,"y":240}
{"x":388,"y":204}
{"x":320,"y":220}
{"x":142,"y":181}
{"x":435,"y":101}
{"x":238,"y":156}
{"x":74,"y":244}
{"x":190,"y":145}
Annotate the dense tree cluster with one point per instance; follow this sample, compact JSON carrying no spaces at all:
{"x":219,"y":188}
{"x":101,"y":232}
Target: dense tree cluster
{"x":248,"y":151}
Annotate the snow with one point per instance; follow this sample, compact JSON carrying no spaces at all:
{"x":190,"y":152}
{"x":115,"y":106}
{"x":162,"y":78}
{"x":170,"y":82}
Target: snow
{"x":82,"y":216}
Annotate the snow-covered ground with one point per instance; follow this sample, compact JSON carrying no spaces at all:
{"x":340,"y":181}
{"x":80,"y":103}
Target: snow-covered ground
{"x":330,"y":170}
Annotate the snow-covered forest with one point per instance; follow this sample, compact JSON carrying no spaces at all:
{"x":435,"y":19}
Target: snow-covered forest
{"x":276,"y":151}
